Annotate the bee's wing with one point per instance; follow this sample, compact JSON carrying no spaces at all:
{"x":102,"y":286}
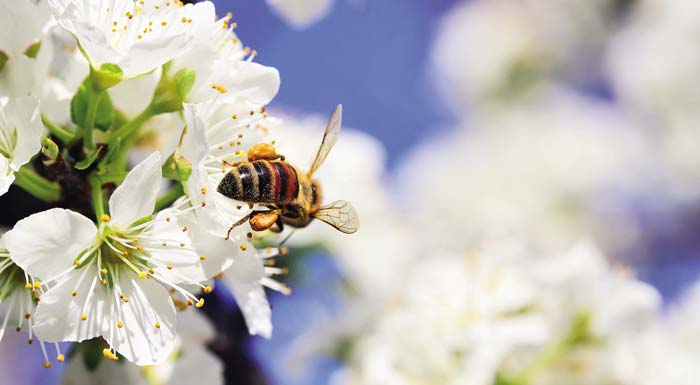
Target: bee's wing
{"x":341,"y":215}
{"x":329,"y":138}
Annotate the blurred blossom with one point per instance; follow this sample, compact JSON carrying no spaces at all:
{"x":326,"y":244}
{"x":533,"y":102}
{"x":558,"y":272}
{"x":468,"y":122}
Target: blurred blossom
{"x":488,"y":51}
{"x":668,"y":353}
{"x":502,"y":312}
{"x":651,"y":63}
{"x":535,"y":170}
{"x":301,"y":13}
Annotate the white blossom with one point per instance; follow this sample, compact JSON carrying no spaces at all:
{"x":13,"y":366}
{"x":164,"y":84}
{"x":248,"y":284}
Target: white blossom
{"x":20,"y":131}
{"x":497,"y":50}
{"x":137,"y":36}
{"x":112,"y":279}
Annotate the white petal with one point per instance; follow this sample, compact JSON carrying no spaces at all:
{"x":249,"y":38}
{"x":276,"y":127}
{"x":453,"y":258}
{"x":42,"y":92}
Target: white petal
{"x":194,"y":328}
{"x":177,"y":253}
{"x":243,"y":279}
{"x":139,"y":340}
{"x":188,"y":369}
{"x":46,"y":244}
{"x":107,"y":373}
{"x":6,"y":176}
{"x":136,"y":197}
{"x":58,"y":315}
{"x":254,"y":81}
{"x":25,"y":112}
{"x":194,"y":140}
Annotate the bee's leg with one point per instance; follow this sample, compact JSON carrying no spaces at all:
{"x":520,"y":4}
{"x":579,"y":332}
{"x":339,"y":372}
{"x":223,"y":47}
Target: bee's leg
{"x":240,"y":222}
{"x":263,"y":151}
{"x":263,"y":220}
{"x":278,"y":227}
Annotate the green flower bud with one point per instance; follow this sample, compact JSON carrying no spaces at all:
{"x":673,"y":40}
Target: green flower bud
{"x":106,"y":77}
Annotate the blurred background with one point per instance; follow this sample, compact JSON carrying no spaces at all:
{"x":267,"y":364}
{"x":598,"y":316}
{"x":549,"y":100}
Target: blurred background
{"x":527,"y":175}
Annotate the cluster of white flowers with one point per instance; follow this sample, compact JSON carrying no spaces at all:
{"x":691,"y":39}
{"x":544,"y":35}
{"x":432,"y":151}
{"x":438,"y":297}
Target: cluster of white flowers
{"x":88,"y":89}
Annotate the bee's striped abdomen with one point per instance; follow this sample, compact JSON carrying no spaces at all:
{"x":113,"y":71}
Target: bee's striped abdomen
{"x":261,"y":181}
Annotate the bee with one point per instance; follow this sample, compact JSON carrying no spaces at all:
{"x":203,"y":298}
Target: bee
{"x":291,"y":197}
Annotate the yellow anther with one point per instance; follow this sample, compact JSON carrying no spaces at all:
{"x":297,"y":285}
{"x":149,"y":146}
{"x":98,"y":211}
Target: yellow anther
{"x":60,"y":358}
{"x":73,"y":293}
{"x":200,"y":303}
{"x":142,"y":275}
{"x":169,"y":267}
{"x":47,"y":365}
{"x":108,"y":354}
{"x":204,"y":190}
{"x":83,"y":317}
{"x":105,"y":218}
{"x":157,"y":325}
{"x":104,"y":282}
{"x":103,"y":271}
{"x":28,"y":286}
{"x":37,"y":284}
{"x":219,"y":88}
{"x":77,"y":263}
{"x":139,"y":247}
{"x":244,"y":247}
{"x":120,"y":324}
{"x":207,"y":289}
{"x":164,"y":23}
{"x":190,"y":302}
{"x":202,"y":257}
{"x":234,"y":116}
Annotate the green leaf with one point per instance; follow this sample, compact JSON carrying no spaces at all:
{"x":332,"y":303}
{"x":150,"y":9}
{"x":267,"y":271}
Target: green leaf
{"x":33,"y":50}
{"x":3,"y":59}
{"x":79,"y":104}
{"x":89,"y":159}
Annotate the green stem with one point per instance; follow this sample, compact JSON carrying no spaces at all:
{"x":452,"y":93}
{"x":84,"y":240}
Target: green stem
{"x":169,"y":197}
{"x":97,"y":196}
{"x":59,"y":132}
{"x":90,"y":116}
{"x":133,"y":125}
{"x":35,"y":184}
{"x":115,"y":177}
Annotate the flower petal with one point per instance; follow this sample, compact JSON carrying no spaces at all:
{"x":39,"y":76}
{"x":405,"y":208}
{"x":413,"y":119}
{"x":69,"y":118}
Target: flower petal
{"x":6,"y":175}
{"x":148,"y":335}
{"x":46,"y":244}
{"x":243,"y":278}
{"x":58,"y":315}
{"x":23,"y":116}
{"x":136,"y":197}
{"x":182,"y":261}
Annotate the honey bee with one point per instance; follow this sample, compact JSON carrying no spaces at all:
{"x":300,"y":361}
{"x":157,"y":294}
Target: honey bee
{"x":292,"y":198}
